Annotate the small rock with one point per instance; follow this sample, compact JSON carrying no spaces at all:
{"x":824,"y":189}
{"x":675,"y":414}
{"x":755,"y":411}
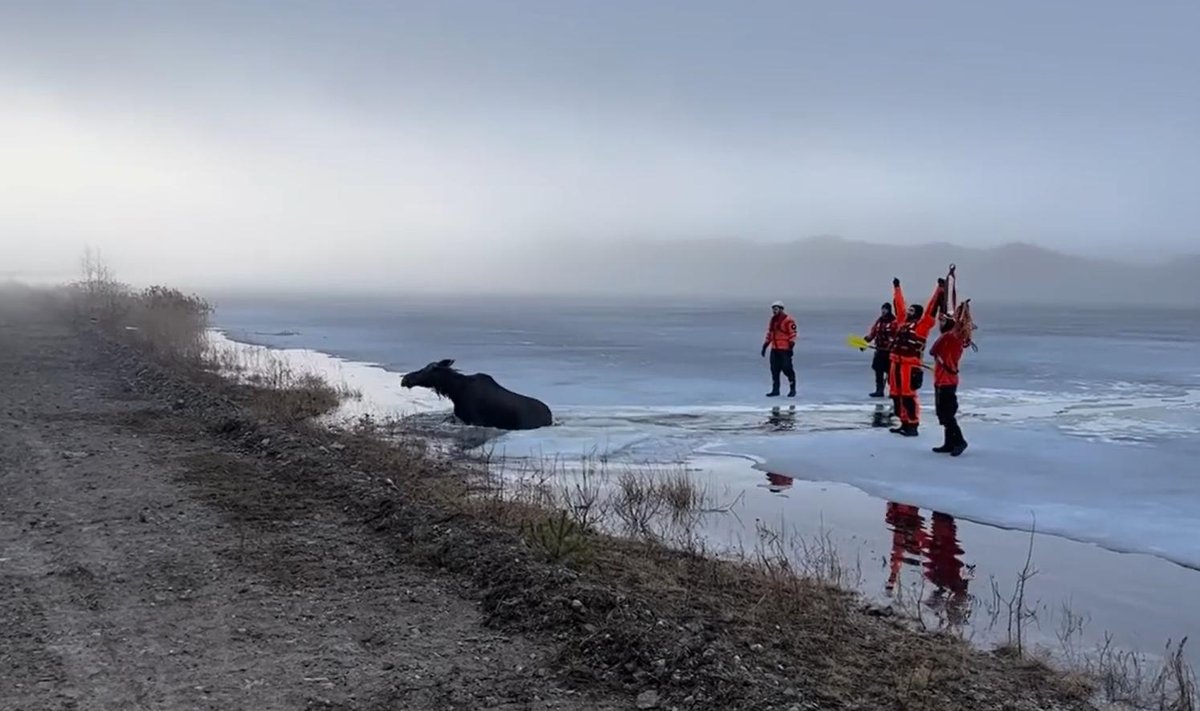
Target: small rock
{"x":338,"y":446}
{"x":647,"y":700}
{"x":74,"y":455}
{"x":577,"y":605}
{"x":756,"y":648}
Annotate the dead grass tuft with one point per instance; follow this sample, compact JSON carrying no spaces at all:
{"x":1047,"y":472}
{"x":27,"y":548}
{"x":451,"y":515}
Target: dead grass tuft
{"x":172,"y":328}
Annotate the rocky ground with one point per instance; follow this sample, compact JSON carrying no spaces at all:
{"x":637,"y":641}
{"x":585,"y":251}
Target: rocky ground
{"x":164,"y":544}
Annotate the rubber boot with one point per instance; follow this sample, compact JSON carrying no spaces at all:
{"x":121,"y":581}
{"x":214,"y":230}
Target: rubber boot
{"x":773,"y":393}
{"x":910,"y":431}
{"x":877,"y":393}
{"x":946,"y":447}
{"x":792,"y":390}
{"x":959,"y":447}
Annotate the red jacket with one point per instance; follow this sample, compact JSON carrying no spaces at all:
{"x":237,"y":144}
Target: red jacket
{"x":781,"y":332}
{"x":947,"y":352}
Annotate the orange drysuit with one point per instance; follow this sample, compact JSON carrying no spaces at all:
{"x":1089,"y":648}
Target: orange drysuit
{"x":781,"y":332}
{"x":908,"y":349}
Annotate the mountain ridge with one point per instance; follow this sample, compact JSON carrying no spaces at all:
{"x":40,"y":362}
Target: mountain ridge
{"x":836,"y":267}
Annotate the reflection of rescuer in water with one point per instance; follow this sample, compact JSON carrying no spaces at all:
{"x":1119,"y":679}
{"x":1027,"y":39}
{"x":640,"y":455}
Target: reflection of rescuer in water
{"x":777,"y":483}
{"x":940,"y":550}
{"x":908,"y":538}
{"x":943,"y":567}
{"x":781,"y":419}
{"x":913,"y":324}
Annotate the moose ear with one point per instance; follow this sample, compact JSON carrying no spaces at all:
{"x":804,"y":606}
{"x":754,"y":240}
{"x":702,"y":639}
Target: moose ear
{"x":446,"y":363}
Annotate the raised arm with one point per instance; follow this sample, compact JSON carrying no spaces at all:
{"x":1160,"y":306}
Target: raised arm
{"x":925,"y":325}
{"x":898,"y":302}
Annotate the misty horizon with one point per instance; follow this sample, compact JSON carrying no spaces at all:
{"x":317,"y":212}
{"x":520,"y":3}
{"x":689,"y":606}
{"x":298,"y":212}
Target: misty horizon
{"x":473,"y":147}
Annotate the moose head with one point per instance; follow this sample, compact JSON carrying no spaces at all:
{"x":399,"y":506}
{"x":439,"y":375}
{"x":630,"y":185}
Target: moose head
{"x":434,"y":376}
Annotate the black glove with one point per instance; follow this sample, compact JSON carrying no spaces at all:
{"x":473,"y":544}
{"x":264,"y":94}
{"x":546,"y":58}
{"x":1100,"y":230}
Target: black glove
{"x":764,"y":350}
{"x":895,"y":282}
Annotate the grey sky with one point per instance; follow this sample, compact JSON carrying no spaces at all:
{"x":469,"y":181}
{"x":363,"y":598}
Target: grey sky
{"x":222,"y":142}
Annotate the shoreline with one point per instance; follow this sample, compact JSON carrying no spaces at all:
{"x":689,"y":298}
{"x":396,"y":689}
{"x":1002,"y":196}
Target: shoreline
{"x":616,"y":617}
{"x":1051,"y":593}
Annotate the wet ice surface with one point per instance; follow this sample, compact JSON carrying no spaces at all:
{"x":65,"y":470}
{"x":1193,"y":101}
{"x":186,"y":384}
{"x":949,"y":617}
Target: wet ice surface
{"x":1141,"y":599}
{"x":1087,"y":422}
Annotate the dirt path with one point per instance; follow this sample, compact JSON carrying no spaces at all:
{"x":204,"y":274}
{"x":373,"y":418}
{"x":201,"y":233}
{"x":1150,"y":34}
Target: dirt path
{"x":144,"y":566}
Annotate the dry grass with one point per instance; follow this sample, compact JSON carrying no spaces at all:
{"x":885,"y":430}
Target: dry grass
{"x":172,"y":328}
{"x":640,"y":529}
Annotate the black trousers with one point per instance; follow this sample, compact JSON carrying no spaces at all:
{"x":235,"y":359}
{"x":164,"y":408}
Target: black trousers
{"x":881,"y":364}
{"x":946,"y":404}
{"x":781,"y":363}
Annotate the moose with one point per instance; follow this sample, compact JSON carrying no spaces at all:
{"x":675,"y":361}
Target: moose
{"x":479,"y":400}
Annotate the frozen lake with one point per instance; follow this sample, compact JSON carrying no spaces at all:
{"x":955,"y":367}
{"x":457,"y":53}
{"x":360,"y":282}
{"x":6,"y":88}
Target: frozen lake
{"x":1087,"y":422}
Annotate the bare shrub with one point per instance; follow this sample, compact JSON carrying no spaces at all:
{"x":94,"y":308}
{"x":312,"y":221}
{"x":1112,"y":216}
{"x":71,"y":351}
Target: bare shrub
{"x":169,"y":324}
{"x":172,"y":327}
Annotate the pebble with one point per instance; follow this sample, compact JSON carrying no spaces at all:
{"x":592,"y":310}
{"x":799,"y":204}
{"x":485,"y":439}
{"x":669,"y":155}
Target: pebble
{"x":647,"y":700}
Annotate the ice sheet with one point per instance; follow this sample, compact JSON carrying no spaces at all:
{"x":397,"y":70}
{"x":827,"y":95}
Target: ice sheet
{"x":381,"y":393}
{"x":1122,"y":498}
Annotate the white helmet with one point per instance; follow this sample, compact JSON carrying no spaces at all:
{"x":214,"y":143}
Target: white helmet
{"x":777,"y":304}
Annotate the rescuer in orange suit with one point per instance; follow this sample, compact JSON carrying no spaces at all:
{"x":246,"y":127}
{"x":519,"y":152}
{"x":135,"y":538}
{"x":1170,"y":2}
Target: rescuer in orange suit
{"x":781,"y":340}
{"x":947,"y":353}
{"x":913,"y":324}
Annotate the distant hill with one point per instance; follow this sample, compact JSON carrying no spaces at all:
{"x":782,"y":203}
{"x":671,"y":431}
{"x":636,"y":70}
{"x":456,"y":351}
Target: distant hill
{"x":830,"y":267}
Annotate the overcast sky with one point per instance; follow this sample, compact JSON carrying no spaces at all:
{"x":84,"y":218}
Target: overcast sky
{"x":376,"y":142}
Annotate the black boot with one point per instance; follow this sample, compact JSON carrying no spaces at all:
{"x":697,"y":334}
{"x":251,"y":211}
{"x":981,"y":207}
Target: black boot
{"x":958,"y":444}
{"x":946,"y":448}
{"x":877,"y":393}
{"x":773,"y":393}
{"x":792,"y":390}
{"x":910,"y":431}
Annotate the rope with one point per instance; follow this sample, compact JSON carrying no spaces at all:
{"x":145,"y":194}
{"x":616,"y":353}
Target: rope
{"x":964,"y":325}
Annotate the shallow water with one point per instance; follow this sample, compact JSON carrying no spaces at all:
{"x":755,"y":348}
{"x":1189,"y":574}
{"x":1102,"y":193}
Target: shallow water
{"x":903,"y":554}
